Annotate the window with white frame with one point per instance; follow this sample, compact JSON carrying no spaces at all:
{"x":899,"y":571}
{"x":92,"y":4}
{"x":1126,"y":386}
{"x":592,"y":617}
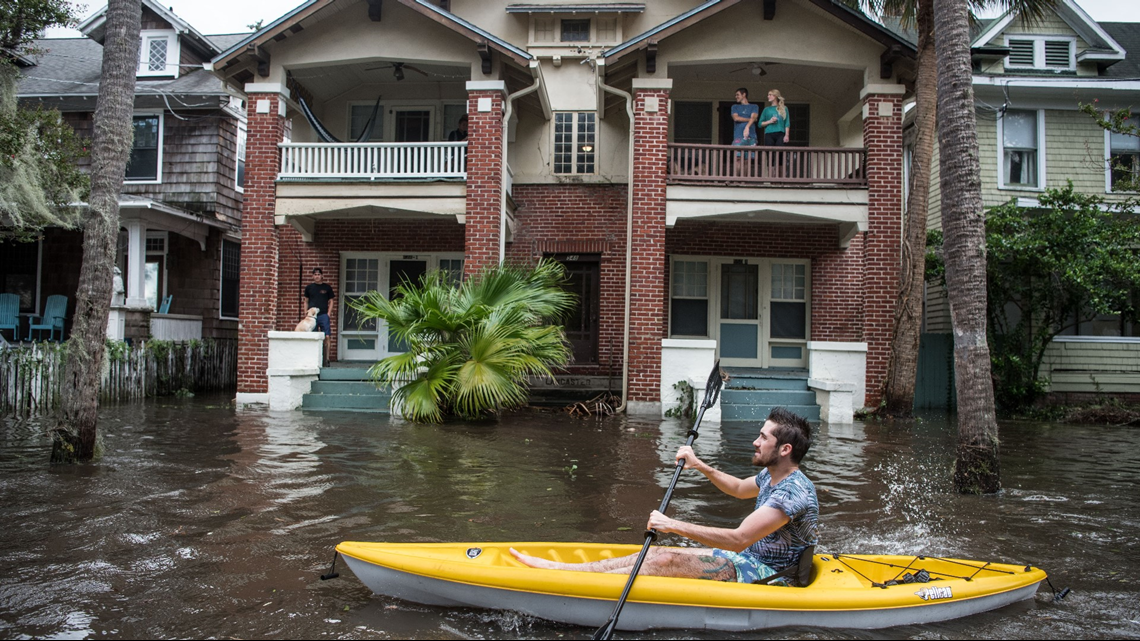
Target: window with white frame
{"x":574,"y":138}
{"x":453,"y":269}
{"x":239,"y":178}
{"x":1124,"y":157}
{"x":358,"y":117}
{"x":1041,"y":53}
{"x":230,"y":304}
{"x":689,"y":298}
{"x":158,"y":53}
{"x":145,"y":163}
{"x":789,"y":300}
{"x":1021,"y":156}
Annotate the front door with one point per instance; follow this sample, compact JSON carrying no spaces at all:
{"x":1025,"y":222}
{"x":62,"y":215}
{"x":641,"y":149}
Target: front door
{"x":739,"y":313}
{"x":368,"y":339}
{"x":581,"y":322}
{"x":412,"y":124}
{"x":407,"y":269}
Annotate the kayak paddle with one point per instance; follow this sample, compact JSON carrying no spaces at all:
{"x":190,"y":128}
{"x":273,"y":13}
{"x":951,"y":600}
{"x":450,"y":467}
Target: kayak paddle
{"x":712,"y":392}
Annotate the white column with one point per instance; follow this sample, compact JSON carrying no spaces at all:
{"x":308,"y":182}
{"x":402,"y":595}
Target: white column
{"x":136,"y":264}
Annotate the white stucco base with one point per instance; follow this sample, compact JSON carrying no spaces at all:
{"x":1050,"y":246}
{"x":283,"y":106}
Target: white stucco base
{"x":688,"y":360}
{"x":294,"y":363}
{"x":245,"y":399}
{"x":840,"y":363}
{"x":643,"y":408}
{"x":835,"y":400}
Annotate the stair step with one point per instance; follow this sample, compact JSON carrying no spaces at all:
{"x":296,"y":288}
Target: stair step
{"x":767,"y":382}
{"x":375,"y":403}
{"x":767,"y":397}
{"x":760,"y":412}
{"x":348,"y":387}
{"x":344,"y":374}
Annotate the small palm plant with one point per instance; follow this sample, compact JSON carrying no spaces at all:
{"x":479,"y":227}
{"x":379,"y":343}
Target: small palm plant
{"x":470,"y":347}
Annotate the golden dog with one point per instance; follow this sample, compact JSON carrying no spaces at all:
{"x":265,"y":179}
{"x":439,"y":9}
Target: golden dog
{"x":309,"y":322}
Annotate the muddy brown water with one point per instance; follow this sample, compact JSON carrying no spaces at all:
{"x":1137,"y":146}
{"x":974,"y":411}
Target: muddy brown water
{"x":201,"y":521}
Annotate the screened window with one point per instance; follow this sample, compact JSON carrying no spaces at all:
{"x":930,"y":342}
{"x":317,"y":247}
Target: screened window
{"x":574,"y":143}
{"x":358,"y":120}
{"x":689,"y":304}
{"x":231,"y":278}
{"x":789,"y":300}
{"x":1020,"y":146}
{"x":144,"y":161}
{"x":576,"y":30}
{"x":1124,"y":158}
{"x":239,"y":179}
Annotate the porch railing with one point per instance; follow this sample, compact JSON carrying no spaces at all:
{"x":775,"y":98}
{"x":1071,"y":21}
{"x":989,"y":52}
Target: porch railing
{"x":374,"y":160}
{"x":794,"y":166}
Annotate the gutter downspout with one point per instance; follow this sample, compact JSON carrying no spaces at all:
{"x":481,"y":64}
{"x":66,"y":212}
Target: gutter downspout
{"x":628,"y":242}
{"x":508,"y":111}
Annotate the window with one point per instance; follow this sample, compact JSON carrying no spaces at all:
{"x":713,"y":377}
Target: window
{"x":453,"y":268}
{"x":239,"y":178}
{"x":1124,"y":158}
{"x":789,"y":301}
{"x":689,"y":302}
{"x":1040,"y":53}
{"x":574,"y":143}
{"x":146,"y":153}
{"x":1021,"y":138}
{"x":158,"y":54}
{"x":358,"y":120}
{"x":692,"y":122}
{"x":799,"y":120}
{"x":576,"y":30}
{"x":231,"y":279}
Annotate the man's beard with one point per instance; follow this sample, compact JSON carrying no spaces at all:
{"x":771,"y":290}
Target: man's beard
{"x":758,"y":459}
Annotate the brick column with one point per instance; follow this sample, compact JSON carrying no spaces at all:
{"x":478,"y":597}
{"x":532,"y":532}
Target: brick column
{"x":647,"y":304}
{"x":485,"y":130}
{"x":259,"y":243}
{"x":882,"y":135}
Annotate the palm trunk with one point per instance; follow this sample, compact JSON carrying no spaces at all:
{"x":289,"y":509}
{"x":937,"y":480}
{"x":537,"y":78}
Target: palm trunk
{"x":74,"y":436}
{"x":898,"y":395}
{"x":963,"y":222}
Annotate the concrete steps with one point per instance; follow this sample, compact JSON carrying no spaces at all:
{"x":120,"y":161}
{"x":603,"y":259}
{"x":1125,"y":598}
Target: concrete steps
{"x":750,"y":395}
{"x":346,"y":388}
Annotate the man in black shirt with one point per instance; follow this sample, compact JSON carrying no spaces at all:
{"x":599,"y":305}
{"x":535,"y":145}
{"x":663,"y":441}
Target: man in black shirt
{"x":320,"y":294}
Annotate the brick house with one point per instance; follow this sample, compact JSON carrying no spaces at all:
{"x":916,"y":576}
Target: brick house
{"x":1030,"y":79}
{"x":599,"y":136}
{"x":180,"y":209}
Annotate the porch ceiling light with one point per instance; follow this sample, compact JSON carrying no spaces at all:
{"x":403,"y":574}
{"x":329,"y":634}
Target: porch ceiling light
{"x":398,"y":71}
{"x":587,"y":148}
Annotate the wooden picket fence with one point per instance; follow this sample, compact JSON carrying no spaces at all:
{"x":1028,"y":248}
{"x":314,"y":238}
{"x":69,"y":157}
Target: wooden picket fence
{"x":31,"y":375}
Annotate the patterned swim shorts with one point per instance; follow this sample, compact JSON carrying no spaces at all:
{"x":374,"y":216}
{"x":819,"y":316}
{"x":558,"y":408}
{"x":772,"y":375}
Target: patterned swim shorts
{"x":748,"y":568}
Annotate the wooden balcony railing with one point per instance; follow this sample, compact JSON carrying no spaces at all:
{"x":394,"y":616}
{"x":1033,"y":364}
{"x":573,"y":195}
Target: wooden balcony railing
{"x":792,"y":166}
{"x":374,"y":160}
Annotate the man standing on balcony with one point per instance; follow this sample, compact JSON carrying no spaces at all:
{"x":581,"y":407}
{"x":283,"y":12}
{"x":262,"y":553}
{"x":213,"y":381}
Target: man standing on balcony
{"x":320,"y":294}
{"x":744,"y":116}
{"x":460,"y":133}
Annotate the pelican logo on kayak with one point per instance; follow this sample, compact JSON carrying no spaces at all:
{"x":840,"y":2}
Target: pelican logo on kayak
{"x":932,"y":593}
{"x":474,"y":552}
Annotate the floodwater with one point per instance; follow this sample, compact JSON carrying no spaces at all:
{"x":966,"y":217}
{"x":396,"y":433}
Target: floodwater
{"x":201,"y":521}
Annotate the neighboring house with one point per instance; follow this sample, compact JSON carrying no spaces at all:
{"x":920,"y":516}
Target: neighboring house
{"x":180,"y":209}
{"x":780,"y":258}
{"x":1029,"y":81}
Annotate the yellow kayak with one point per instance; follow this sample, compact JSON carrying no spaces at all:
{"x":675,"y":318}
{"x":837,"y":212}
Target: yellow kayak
{"x":846,"y":591}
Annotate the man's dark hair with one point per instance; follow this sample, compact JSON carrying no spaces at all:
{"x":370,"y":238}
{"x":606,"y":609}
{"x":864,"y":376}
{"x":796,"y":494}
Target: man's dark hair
{"x":318,"y":270}
{"x":743,"y":90}
{"x":793,"y":429}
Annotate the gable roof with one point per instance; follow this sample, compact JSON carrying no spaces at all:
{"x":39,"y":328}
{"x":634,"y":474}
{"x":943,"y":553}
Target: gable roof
{"x":709,"y":8}
{"x":310,"y":7}
{"x":1102,"y":46}
{"x":1128,"y":35}
{"x":95,"y":26}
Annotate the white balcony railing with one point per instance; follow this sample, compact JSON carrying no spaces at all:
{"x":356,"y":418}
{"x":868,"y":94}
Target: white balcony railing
{"x":374,"y":160}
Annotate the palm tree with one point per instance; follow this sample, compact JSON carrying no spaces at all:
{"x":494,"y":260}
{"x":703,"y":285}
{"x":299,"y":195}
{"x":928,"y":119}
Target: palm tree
{"x":899,"y":388}
{"x":470,"y":347}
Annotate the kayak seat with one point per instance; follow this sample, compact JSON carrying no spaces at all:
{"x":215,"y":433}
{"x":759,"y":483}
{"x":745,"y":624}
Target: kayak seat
{"x":797,"y":575}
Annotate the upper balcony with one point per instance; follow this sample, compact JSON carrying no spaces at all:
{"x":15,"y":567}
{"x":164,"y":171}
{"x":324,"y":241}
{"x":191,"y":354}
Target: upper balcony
{"x":412,"y":161}
{"x":691,"y":164}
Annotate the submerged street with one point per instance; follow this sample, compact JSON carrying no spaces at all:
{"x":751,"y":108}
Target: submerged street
{"x":205,"y":522}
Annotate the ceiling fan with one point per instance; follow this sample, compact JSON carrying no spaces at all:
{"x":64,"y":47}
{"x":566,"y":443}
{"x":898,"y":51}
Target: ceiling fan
{"x":755,"y":68}
{"x":398,"y":69}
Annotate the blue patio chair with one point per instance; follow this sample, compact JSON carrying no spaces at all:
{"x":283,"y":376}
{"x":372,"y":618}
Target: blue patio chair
{"x":54,"y":313}
{"x":10,"y":314}
{"x":164,"y":308}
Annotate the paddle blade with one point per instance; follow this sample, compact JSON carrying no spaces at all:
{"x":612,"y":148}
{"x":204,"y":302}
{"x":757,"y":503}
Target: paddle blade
{"x":605,"y":632}
{"x":712,"y":387}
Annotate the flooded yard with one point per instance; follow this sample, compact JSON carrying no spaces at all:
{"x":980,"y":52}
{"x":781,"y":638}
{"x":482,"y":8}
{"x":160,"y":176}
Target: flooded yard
{"x":201,"y":521}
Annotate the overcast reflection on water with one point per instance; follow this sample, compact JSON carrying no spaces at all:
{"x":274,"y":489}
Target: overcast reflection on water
{"x":205,"y":522}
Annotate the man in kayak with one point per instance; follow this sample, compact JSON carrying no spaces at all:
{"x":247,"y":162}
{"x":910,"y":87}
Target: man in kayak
{"x":768,"y":540}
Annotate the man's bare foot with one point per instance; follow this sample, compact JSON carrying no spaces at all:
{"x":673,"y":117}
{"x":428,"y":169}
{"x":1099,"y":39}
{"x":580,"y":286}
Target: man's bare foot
{"x":533,"y":562}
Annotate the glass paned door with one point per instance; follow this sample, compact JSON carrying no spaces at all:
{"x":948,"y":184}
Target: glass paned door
{"x":359,"y":337}
{"x":739,"y":323}
{"x":402,"y":271}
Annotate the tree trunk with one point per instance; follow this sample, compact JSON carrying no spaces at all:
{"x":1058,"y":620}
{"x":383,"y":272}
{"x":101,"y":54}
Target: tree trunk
{"x":74,"y":436}
{"x":898,"y":395}
{"x":963,"y":224}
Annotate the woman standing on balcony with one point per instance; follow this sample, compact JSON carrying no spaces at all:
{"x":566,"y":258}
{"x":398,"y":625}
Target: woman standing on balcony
{"x":777,"y":129}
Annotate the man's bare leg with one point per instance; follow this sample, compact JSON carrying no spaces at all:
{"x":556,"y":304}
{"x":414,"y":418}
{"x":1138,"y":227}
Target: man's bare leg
{"x":691,"y":563}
